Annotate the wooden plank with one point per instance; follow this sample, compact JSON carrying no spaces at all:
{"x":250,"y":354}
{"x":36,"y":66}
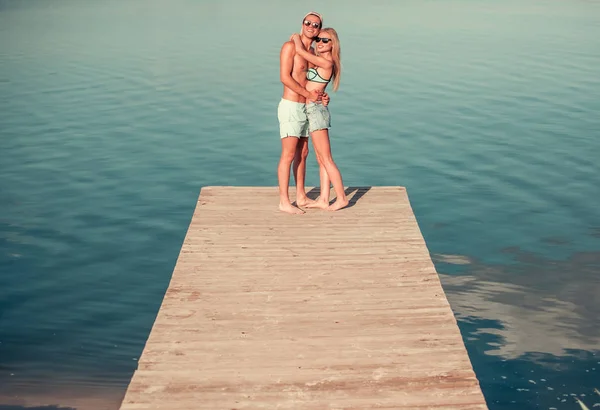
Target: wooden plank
{"x":322,"y":310}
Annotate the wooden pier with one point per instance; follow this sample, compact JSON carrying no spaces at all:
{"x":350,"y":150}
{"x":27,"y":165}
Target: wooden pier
{"x":326,"y":310}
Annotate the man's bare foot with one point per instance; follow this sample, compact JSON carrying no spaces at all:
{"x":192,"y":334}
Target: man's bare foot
{"x":338,"y":204}
{"x":290,"y":209}
{"x":319,"y":204}
{"x":305,"y":202}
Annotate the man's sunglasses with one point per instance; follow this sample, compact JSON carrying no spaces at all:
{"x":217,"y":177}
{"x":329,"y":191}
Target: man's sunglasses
{"x":308,"y":23}
{"x":325,"y":40}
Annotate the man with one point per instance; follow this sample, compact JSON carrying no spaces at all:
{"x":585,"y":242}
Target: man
{"x":293,"y":122}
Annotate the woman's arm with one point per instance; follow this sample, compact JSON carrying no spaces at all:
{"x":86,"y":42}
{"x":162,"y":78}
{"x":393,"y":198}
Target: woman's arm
{"x":316,"y":60}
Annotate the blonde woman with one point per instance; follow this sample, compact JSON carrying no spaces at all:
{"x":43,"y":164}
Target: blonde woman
{"x":324,"y":67}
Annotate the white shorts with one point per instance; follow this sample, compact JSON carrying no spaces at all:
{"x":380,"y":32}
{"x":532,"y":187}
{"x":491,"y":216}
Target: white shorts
{"x":293,"y":121}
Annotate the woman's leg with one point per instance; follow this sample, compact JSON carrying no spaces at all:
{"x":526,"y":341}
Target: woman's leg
{"x":322,"y":146}
{"x":323,"y":201}
{"x":325,"y":185}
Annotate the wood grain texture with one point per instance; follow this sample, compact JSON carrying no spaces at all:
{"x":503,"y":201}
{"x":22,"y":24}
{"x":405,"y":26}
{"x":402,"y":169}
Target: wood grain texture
{"x":326,"y":310}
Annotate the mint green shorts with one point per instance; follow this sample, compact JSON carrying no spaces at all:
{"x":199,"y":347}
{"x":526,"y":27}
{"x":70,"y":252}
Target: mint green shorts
{"x":293,"y":121}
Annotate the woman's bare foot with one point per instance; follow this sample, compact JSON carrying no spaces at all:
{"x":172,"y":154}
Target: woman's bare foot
{"x":290,"y":209}
{"x":321,"y":204}
{"x":338,"y":204}
{"x":305,"y":202}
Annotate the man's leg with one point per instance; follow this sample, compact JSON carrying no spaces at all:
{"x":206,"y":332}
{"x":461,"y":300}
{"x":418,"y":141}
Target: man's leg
{"x":288,"y":152}
{"x":300,"y":172}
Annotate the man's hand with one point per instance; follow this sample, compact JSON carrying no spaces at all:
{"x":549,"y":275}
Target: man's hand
{"x":325,"y":99}
{"x":314,"y":95}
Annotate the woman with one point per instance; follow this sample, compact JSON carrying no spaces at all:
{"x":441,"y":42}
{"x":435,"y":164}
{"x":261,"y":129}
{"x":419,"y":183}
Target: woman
{"x":324,"y":66}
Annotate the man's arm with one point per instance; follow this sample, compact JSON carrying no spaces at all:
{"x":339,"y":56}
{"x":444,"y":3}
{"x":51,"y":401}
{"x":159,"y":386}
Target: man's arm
{"x":286,"y":63}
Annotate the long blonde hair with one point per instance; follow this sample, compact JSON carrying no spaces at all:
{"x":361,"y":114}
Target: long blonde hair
{"x":336,"y":54}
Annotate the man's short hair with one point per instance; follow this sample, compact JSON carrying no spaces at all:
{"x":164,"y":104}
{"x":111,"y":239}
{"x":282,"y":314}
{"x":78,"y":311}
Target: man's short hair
{"x":313,"y":13}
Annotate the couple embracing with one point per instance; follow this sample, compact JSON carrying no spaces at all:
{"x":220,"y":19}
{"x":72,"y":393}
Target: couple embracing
{"x":305,"y":73}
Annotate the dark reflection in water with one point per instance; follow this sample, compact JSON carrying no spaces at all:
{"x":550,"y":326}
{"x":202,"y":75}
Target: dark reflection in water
{"x":531,"y":326}
{"x":545,"y":305}
{"x":595,"y":232}
{"x":534,"y":380}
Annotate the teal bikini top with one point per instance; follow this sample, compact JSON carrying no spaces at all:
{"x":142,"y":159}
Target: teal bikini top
{"x":313,"y":75}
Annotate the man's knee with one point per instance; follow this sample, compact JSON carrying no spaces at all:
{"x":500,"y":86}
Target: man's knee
{"x":304,"y":151}
{"x":288,"y":153}
{"x":301,"y":154}
{"x":288,"y":156}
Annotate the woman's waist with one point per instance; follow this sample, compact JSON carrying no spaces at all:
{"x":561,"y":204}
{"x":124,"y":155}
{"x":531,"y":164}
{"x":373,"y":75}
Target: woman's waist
{"x":312,"y":86}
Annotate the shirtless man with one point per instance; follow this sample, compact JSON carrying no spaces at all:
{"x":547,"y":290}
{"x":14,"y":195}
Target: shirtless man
{"x":293,"y":122}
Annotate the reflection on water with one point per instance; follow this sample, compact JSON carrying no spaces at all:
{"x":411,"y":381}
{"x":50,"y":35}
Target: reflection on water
{"x":543,"y":305}
{"x":113,"y":116}
{"x":532,"y":380}
{"x":532,"y":327}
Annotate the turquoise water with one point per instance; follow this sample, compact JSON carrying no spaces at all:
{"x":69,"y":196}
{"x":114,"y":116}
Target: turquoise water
{"x":113,"y":115}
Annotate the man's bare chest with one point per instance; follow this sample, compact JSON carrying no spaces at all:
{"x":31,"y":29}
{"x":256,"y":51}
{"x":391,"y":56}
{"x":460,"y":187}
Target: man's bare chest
{"x":300,"y":66}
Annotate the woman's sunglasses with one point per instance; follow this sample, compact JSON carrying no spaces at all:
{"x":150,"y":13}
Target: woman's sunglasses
{"x":325,"y":40}
{"x":308,"y":23}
